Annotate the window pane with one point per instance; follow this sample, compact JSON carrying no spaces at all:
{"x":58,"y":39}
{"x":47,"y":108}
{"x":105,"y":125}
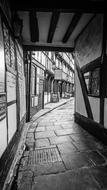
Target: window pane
{"x":92,"y":80}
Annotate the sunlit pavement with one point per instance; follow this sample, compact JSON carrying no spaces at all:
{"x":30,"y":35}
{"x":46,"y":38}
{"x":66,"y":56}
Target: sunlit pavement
{"x":60,"y":155}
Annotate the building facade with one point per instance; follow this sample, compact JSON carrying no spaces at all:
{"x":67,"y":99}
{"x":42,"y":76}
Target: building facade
{"x":12,"y":92}
{"x":52,"y":78}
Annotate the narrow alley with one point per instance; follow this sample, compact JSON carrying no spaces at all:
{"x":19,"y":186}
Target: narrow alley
{"x":53,"y":95}
{"x":60,"y":155}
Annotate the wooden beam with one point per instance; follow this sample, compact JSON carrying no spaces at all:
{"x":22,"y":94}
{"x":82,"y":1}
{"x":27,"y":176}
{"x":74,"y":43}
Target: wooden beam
{"x":71,"y":27}
{"x":91,"y":66}
{"x":48,"y":48}
{"x":53,"y":24}
{"x":66,"y":7}
{"x":34,"y":29}
{"x":84,"y":90}
{"x":103,"y":70}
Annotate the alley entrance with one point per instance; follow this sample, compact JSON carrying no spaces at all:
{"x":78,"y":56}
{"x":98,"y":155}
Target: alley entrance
{"x":60,"y":155}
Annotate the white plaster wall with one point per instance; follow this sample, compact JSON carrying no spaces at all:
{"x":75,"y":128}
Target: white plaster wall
{"x":95,"y":105}
{"x":45,"y":98}
{"x":3,"y":136}
{"x":35,"y":100}
{"x":12,"y":120}
{"x":22,"y":97}
{"x":49,"y":97}
{"x":79,"y":101}
{"x":89,"y":44}
{"x":105,"y":113}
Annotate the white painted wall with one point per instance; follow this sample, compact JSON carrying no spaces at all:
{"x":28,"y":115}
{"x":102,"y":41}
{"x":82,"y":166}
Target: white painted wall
{"x":95,"y":105}
{"x":89,"y":44}
{"x":12,"y":121}
{"x":3,"y":136}
{"x":79,"y":100}
{"x":11,"y":110}
{"x":22,"y":97}
{"x":45,"y":98}
{"x":49,"y":97}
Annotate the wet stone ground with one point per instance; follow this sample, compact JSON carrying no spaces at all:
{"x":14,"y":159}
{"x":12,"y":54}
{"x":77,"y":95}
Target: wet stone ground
{"x":60,"y":155}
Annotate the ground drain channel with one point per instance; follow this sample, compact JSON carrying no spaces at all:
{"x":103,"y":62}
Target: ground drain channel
{"x":44,"y":156}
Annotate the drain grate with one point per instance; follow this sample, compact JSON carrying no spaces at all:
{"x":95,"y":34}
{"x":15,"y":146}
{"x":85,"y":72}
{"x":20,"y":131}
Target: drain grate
{"x":44,"y":156}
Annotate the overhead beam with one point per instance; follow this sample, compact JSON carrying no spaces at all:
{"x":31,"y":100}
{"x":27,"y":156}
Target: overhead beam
{"x":91,"y":66}
{"x":71,"y":26}
{"x":53,"y":24}
{"x":47,"y":48}
{"x":82,"y":6}
{"x":34,"y":29}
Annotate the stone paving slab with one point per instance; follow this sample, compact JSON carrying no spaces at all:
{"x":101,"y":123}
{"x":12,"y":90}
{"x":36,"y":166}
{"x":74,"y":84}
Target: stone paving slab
{"x":49,"y":168}
{"x":76,"y":160}
{"x":64,"y":132}
{"x":58,"y":140}
{"x":54,"y":127}
{"x":40,"y":129}
{"x":67,"y":148}
{"x":80,"y":180}
{"x":42,"y":142}
{"x":45,"y":134}
{"x":100,"y":175}
{"x":96,"y":158}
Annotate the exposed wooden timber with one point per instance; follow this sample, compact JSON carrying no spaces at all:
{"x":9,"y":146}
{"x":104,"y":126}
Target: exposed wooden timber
{"x":53,"y":24}
{"x":34,"y":29}
{"x":71,"y":26}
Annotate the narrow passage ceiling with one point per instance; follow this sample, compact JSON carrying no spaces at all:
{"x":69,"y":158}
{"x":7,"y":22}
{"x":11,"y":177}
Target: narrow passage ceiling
{"x":54,"y":28}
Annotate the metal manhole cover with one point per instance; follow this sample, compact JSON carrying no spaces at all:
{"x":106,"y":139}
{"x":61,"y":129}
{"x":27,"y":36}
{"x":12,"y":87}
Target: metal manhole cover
{"x":44,"y":156}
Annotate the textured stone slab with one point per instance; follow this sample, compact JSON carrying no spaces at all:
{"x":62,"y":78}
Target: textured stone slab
{"x":96,"y":158}
{"x":66,"y":148}
{"x":30,"y":135}
{"x":31,"y":130}
{"x":84,"y":146}
{"x":39,"y":129}
{"x":44,"y":134}
{"x":104,"y":153}
{"x":81,"y":180}
{"x":100,"y":175}
{"x":60,"y":139}
{"x":42,"y":143}
{"x":50,"y":168}
{"x":64,"y":132}
{"x":53,"y":127}
{"x":75,"y":161}
{"x":24,"y":180}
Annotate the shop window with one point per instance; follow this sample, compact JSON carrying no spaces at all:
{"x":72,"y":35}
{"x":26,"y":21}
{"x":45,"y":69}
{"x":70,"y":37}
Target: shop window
{"x":92,"y":80}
